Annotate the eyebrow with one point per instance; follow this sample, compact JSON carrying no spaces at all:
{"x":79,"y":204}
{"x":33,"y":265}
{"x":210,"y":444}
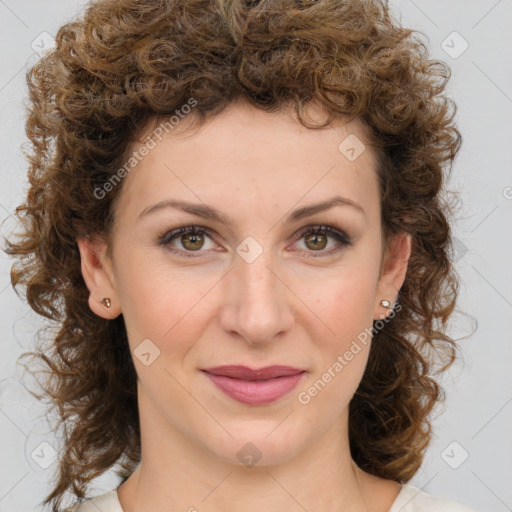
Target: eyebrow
{"x":207,"y":212}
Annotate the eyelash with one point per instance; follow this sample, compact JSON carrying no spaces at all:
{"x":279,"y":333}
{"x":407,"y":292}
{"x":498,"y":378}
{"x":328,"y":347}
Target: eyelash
{"x":342,"y":238}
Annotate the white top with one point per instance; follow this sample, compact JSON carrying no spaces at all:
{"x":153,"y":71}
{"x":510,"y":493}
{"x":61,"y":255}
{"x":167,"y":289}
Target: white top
{"x":410,"y":499}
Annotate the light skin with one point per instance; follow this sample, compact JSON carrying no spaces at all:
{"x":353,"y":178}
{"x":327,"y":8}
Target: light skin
{"x":300,"y":303}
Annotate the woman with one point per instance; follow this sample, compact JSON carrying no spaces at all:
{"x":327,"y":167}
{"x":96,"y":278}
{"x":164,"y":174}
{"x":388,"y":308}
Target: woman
{"x":235,"y":218}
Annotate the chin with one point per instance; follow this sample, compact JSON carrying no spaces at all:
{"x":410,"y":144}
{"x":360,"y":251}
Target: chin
{"x":257,"y":443}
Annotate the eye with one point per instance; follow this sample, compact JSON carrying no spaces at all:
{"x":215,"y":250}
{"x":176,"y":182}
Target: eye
{"x":186,"y":240}
{"x":316,"y":239}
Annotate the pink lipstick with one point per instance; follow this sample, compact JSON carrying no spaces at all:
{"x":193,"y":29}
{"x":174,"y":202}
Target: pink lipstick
{"x":255,"y":386}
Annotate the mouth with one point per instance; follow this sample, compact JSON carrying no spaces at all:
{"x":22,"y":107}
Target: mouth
{"x":255,"y":386}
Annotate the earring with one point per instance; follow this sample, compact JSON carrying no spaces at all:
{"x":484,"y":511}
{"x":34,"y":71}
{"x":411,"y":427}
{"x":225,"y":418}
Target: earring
{"x":385,"y":303}
{"x":105,"y":301}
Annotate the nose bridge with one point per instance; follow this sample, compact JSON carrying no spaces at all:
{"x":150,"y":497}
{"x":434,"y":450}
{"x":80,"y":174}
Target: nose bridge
{"x":259,"y":282}
{"x":257,"y":306}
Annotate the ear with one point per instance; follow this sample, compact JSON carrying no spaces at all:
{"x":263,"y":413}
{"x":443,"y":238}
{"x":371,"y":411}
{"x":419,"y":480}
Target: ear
{"x":393,"y":271}
{"x":98,"y":276}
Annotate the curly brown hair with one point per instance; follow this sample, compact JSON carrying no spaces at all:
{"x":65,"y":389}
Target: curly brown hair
{"x":124,"y":62}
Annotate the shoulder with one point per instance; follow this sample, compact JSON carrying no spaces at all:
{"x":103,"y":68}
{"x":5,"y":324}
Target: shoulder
{"x":107,"y":502}
{"x":413,"y":499}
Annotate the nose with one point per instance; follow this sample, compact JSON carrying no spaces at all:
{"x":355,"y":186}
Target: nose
{"x":257,"y":304}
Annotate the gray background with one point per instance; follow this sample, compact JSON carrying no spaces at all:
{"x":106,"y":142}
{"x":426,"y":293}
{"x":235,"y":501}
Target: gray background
{"x":477,"y":417}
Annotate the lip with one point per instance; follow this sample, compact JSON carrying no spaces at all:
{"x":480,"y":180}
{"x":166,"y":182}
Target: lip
{"x":255,"y":386}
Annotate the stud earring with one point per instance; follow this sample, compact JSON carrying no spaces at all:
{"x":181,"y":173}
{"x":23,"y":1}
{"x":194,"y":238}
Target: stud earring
{"x":385,"y":303}
{"x":106,"y":302}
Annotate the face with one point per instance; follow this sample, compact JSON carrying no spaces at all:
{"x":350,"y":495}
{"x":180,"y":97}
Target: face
{"x":251,"y":242}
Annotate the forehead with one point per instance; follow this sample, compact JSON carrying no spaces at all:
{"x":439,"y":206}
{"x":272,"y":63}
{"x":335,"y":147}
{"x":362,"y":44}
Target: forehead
{"x":268,"y":158}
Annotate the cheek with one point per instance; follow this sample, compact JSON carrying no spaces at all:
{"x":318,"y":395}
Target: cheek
{"x":152,"y":301}
{"x":163,"y":306}
{"x":344,"y":302}
{"x":346,"y":307}
{"x":353,"y":302}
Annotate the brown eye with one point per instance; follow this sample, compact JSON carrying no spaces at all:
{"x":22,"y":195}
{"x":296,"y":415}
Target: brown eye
{"x":316,"y":241}
{"x":192,"y":241}
{"x":187,"y":240}
{"x":322,"y":240}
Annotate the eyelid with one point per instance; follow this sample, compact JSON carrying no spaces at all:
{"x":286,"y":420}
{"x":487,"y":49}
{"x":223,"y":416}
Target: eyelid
{"x":173,"y":234}
{"x":341,"y":237}
{"x":324,"y":228}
